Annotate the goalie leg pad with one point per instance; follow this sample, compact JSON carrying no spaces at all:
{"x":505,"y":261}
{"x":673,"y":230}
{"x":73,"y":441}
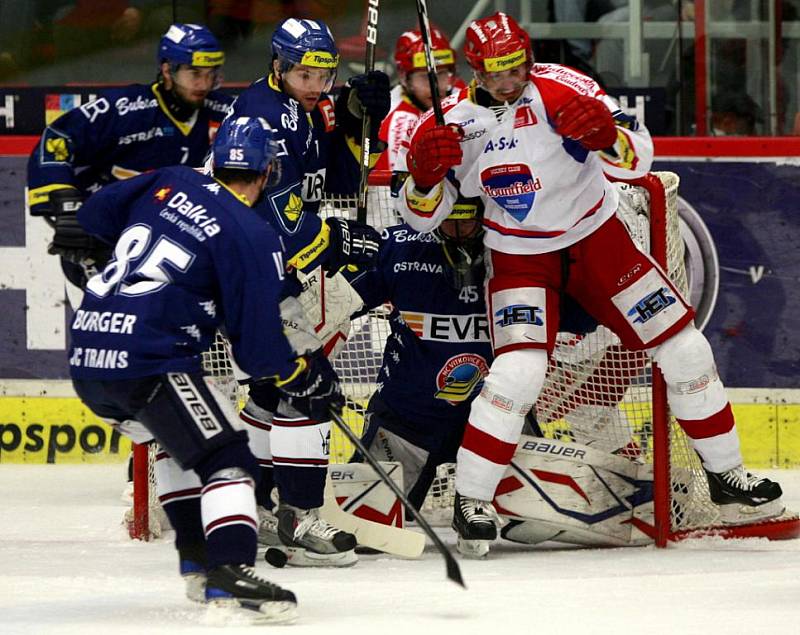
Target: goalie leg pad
{"x":697,"y":398}
{"x":576,"y":494}
{"x":496,"y":419}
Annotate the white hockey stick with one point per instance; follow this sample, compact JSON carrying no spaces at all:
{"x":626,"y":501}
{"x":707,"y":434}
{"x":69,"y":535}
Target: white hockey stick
{"x":453,"y":570}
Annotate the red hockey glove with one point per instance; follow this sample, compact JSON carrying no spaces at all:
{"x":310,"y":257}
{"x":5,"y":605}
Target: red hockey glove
{"x":433,"y":154}
{"x":588,"y":121}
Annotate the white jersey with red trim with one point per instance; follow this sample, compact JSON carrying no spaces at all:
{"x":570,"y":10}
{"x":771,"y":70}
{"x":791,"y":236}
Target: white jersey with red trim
{"x":542,"y":192}
{"x":396,"y":131}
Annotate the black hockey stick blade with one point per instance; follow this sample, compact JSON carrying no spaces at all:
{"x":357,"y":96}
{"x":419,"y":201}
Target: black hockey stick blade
{"x":453,"y":570}
{"x":369,"y":65}
{"x":430,"y":63}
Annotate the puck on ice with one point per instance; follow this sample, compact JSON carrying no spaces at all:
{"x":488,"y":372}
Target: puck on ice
{"x":275,"y":557}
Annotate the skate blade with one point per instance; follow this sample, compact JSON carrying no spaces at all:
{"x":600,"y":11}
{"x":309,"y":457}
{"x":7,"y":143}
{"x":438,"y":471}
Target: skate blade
{"x":473,"y":548}
{"x":299,"y":557}
{"x":195,"y":587}
{"x":736,"y":514}
{"x":233,"y":612}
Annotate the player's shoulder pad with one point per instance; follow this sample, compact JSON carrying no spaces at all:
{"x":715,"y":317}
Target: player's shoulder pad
{"x":428,"y":119}
{"x":555,"y":77}
{"x":404,"y":234}
{"x":117,"y":103}
{"x":218,"y":103}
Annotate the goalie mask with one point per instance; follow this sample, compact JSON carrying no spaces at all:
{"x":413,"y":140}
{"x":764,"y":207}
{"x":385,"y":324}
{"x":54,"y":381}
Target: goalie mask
{"x":461,"y":237}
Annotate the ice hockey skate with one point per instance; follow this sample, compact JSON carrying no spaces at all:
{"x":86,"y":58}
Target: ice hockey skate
{"x":194,"y":580}
{"x":310,"y":541}
{"x":475,"y":522}
{"x":743,"y":497}
{"x":235,"y":594}
{"x":267,"y":528}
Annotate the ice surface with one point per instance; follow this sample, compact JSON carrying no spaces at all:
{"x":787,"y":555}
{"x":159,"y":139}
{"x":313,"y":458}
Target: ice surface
{"x":67,"y":566}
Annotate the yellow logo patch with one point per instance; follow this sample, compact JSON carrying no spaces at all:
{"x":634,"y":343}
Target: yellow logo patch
{"x":293,"y":207}
{"x":320,"y":59}
{"x":58,"y":148}
{"x":495,"y":64}
{"x":208,"y":58}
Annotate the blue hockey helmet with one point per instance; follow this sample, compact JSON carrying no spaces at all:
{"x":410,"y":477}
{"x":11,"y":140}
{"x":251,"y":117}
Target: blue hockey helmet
{"x":190,"y":44}
{"x":307,"y":42}
{"x":245,"y":143}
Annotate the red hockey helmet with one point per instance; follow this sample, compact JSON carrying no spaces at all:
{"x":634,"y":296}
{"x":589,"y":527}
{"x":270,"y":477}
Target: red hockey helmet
{"x":409,"y":52}
{"x":497,"y":43}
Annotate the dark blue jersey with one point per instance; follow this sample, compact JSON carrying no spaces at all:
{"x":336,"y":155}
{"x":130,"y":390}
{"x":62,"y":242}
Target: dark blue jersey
{"x":317,"y":158}
{"x":189,"y":256}
{"x":124,"y":132}
{"x":439,"y":349}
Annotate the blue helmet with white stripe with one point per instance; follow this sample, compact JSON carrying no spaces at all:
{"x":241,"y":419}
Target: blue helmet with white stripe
{"x":190,"y":44}
{"x":244,"y":143}
{"x":307,"y":42}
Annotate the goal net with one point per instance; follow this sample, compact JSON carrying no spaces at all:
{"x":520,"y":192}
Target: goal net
{"x":596,"y":392}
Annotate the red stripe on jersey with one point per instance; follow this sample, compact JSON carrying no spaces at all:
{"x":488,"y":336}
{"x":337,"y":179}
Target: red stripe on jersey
{"x":256,"y":423}
{"x":488,"y":447}
{"x":192,"y":492}
{"x":294,"y":423}
{"x":227,"y":520}
{"x":716,"y":424}
{"x":217,"y":484}
{"x":277,"y":460}
{"x":524,"y":233}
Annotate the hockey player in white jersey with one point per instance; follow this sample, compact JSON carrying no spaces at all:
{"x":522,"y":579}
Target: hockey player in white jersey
{"x":535,"y":141}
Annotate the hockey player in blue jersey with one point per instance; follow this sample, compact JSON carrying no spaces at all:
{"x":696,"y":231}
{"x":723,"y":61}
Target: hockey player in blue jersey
{"x":189,"y":257}
{"x":320,"y":152}
{"x":124,"y":132}
{"x":439,"y":348}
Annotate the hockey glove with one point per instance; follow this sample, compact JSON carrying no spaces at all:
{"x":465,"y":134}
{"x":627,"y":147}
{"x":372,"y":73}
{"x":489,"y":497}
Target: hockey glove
{"x":314,"y":390}
{"x":587,"y":121}
{"x":71,"y":241}
{"x":369,"y":94}
{"x":351,"y":243}
{"x":433,"y":153}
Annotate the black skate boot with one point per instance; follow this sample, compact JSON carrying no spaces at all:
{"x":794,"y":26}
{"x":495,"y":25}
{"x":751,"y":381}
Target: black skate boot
{"x":475,"y":522}
{"x":235,"y":591}
{"x":743,"y":497}
{"x":310,"y":541}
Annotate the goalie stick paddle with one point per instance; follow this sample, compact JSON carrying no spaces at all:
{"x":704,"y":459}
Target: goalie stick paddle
{"x":369,"y":65}
{"x":453,"y":570}
{"x":430,"y":63}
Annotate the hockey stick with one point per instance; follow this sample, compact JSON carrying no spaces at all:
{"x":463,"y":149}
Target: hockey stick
{"x":391,"y":540}
{"x":453,"y":570}
{"x":430,"y":63}
{"x":369,"y":66}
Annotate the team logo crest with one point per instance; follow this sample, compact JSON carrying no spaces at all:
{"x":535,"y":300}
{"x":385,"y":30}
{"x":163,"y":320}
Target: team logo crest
{"x":460,"y":377}
{"x":287,"y":206}
{"x":163,"y":193}
{"x":512,"y":186}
